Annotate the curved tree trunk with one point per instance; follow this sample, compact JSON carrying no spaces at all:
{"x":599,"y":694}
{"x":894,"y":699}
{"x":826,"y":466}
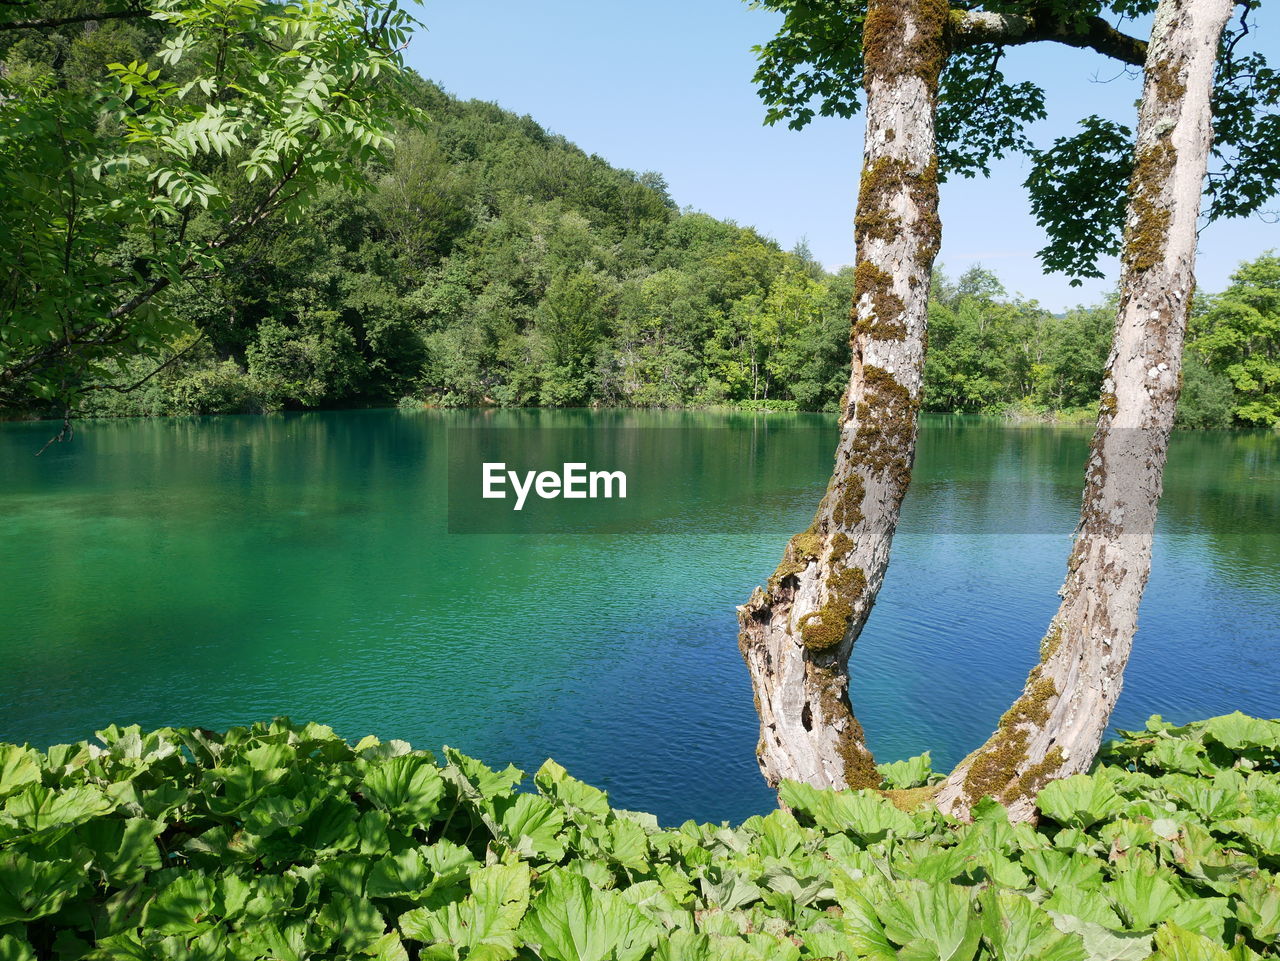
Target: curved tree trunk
{"x":796,"y":634}
{"x":1055,"y":727}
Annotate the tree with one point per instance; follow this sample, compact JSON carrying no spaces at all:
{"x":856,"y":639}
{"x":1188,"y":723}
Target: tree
{"x":923,"y":67}
{"x":242,"y":114}
{"x":936,"y":103}
{"x":1055,"y":727}
{"x":1239,"y":337}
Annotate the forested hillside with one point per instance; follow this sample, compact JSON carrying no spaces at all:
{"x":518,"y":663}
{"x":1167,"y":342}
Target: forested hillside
{"x":496,"y":263}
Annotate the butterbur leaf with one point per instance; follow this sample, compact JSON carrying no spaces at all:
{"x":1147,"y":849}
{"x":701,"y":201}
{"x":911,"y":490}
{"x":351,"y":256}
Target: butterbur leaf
{"x":1258,"y":906}
{"x":932,"y":922}
{"x":182,"y":906}
{"x":1017,"y":930}
{"x":1239,"y":732}
{"x":408,"y":787}
{"x":32,"y":889}
{"x":489,"y":783}
{"x":1086,"y":905}
{"x":570,"y":921}
{"x":1080,"y":800}
{"x":1205,"y":916}
{"x":13,"y":949}
{"x":730,"y":890}
{"x":483,"y":925}
{"x":555,"y":782}
{"x":1105,"y":944}
{"x":19,"y":766}
{"x":38,"y":808}
{"x":123,"y":850}
{"x":532,"y":825}
{"x":913,"y":772}
{"x":864,"y":814}
{"x":1174,"y":943}
{"x":1144,"y":899}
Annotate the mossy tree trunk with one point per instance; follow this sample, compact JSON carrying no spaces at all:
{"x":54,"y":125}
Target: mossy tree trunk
{"x":1054,"y":729}
{"x":796,"y":634}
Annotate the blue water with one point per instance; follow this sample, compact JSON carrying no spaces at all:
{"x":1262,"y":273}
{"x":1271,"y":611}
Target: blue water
{"x":218,"y":571}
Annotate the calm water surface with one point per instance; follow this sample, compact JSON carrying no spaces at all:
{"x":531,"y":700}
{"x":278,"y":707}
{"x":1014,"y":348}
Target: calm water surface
{"x":217,"y":571}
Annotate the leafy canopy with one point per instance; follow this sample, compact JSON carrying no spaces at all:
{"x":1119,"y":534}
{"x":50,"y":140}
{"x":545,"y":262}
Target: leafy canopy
{"x":246,"y":110}
{"x":1077,"y":184}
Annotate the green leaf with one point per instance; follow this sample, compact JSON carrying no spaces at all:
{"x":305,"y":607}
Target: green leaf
{"x":12,"y":949}
{"x":1104,"y":944}
{"x":932,"y":922}
{"x":408,"y":787}
{"x":913,"y":772}
{"x":570,"y":921}
{"x":123,"y":850}
{"x":1017,"y":930}
{"x":1144,"y":899}
{"x":1174,"y":943}
{"x":533,"y":825}
{"x":865,"y":814}
{"x":19,"y":766}
{"x":1238,"y":732}
{"x":1080,"y":800}
{"x":554,"y":782}
{"x":32,"y":889}
{"x":483,"y":926}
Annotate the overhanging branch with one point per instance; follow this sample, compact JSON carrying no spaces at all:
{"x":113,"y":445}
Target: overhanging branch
{"x":49,"y":23}
{"x":971,"y":28}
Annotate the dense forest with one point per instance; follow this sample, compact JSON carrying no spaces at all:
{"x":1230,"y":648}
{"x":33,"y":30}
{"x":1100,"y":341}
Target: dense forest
{"x":496,"y":263}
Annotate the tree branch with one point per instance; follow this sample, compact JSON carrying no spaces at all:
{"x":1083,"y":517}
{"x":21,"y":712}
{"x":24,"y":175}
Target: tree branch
{"x":50,"y":22}
{"x":970,"y":28}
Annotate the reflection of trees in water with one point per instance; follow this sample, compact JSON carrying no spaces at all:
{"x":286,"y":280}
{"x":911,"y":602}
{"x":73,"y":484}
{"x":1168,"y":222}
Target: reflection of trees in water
{"x":1225,"y":486}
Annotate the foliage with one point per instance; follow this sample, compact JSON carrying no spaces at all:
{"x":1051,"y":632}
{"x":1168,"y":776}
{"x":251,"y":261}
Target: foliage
{"x":1077,"y":185}
{"x":121,"y":178}
{"x":1238,"y":338}
{"x":284,"y":841}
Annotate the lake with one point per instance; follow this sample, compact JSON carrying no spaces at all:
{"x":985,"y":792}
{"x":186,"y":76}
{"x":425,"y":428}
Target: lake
{"x":216,"y":571}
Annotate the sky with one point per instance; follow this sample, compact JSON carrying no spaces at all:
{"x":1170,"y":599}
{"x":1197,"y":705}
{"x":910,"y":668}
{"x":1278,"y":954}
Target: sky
{"x":666,"y":85}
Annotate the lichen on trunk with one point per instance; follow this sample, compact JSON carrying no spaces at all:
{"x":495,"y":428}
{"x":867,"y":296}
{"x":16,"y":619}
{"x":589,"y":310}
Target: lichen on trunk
{"x":1055,"y":727}
{"x":796,"y":634}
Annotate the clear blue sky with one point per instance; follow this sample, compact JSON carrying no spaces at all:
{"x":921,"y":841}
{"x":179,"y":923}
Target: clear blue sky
{"x":666,"y":85}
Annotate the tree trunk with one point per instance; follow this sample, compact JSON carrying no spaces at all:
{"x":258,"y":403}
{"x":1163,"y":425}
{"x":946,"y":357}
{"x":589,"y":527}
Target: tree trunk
{"x":796,"y":634}
{"x":1053,"y":730}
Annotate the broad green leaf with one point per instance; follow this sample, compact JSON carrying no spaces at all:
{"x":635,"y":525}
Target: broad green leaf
{"x":1017,"y":930}
{"x":570,"y":921}
{"x":13,"y":949}
{"x":1105,"y":944}
{"x":865,"y":814}
{"x":1144,"y":899}
{"x":123,"y":850}
{"x":533,"y":825}
{"x":32,"y":889}
{"x":19,"y":766}
{"x":1238,"y":732}
{"x":913,"y":772}
{"x":555,"y":782}
{"x":408,"y":787}
{"x":1174,"y":943}
{"x":1080,"y":800}
{"x":931,"y":922}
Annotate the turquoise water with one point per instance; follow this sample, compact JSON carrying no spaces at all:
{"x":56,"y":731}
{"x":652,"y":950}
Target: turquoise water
{"x":217,"y":571}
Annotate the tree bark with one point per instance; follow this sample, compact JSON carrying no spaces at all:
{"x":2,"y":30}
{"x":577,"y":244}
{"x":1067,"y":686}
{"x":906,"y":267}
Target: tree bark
{"x":797,"y":633}
{"x":1054,"y":729}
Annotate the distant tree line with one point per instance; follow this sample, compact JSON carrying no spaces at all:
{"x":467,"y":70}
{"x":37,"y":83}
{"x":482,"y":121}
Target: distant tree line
{"x":496,"y":263}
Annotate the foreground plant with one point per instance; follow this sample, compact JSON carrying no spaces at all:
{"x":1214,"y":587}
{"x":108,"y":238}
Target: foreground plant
{"x":284,"y":841}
